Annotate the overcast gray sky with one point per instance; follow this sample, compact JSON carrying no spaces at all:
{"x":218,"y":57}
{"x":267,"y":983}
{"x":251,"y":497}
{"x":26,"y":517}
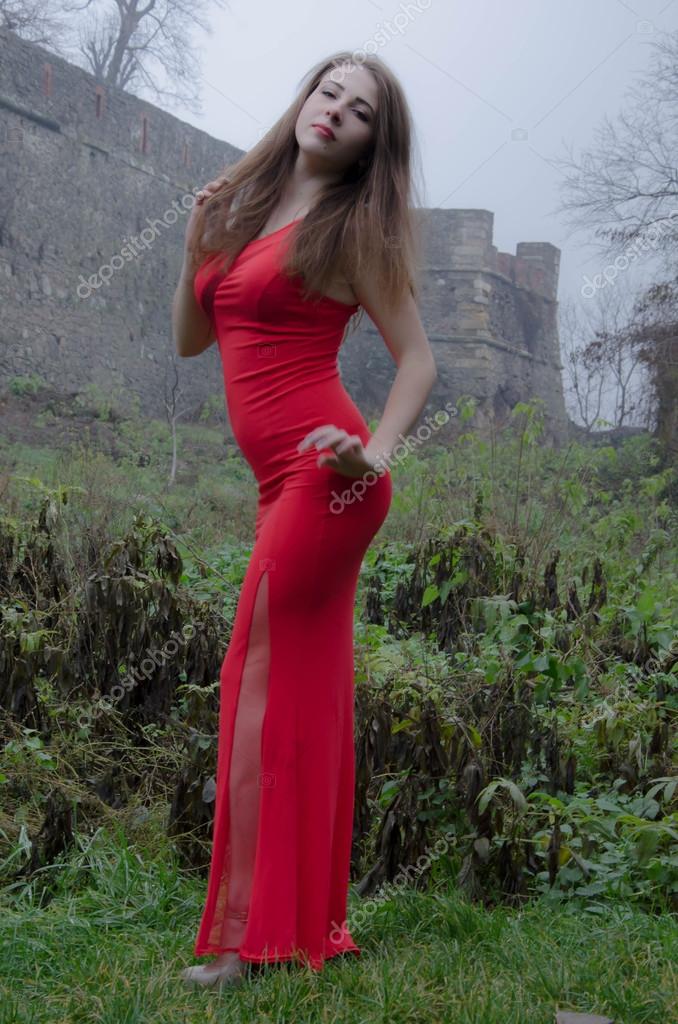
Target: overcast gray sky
{"x":474,"y":71}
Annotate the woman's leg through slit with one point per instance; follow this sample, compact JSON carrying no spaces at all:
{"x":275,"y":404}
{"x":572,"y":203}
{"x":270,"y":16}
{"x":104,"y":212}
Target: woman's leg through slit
{"x":245,"y":771}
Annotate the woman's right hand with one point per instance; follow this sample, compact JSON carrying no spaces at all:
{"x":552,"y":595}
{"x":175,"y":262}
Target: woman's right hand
{"x":195,"y":223}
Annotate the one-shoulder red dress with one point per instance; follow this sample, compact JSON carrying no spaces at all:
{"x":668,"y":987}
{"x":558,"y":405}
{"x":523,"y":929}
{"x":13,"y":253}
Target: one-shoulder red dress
{"x":282,"y":832}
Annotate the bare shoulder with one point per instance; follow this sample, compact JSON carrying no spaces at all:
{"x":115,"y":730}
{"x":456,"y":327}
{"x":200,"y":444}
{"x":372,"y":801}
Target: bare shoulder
{"x":399,"y":323}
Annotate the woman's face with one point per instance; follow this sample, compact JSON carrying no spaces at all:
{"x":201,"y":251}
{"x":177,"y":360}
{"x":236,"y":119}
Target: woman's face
{"x":345,"y":101}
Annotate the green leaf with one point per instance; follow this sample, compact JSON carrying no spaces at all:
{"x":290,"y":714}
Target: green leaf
{"x":486,"y":795}
{"x":475,"y":737}
{"x":517,"y":795}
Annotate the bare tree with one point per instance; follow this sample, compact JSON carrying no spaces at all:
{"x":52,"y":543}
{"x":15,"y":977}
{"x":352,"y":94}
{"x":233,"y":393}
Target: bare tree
{"x":626,"y":185}
{"x":172,"y":401}
{"x":604,"y":369}
{"x":654,"y":335}
{"x":142,"y":46}
{"x":37,"y":21}
{"x":584,"y":385}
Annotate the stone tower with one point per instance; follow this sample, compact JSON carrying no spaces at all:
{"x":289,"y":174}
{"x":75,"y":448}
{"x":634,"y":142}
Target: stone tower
{"x":491,"y":318}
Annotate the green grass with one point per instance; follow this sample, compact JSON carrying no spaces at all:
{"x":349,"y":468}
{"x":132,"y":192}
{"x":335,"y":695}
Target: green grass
{"x":213,"y":499}
{"x":109,"y":947}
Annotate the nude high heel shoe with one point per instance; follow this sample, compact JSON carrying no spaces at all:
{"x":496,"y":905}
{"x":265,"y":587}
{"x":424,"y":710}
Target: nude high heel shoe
{"x":215,"y":975}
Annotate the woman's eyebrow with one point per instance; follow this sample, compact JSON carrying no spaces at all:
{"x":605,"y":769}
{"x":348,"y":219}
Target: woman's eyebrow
{"x":359,"y":99}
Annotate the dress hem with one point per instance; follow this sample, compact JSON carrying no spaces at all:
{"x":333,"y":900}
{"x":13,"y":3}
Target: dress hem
{"x":260,"y":958}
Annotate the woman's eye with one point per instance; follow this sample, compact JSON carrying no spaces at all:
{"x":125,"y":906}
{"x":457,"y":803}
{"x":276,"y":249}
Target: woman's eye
{"x":362,"y":116}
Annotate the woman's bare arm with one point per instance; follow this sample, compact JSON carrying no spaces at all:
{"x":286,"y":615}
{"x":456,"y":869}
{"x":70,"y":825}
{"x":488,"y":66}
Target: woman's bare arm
{"x":404,"y":336}
{"x":192,"y":328}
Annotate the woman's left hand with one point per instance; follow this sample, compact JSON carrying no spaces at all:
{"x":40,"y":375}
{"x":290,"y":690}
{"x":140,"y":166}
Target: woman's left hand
{"x":350,"y":457}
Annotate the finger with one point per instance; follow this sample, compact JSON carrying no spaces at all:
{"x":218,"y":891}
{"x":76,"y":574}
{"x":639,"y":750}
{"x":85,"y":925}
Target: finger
{"x":318,"y":431}
{"x":207,"y":190}
{"x":330,"y":441}
{"x":313,"y":435}
{"x":350,"y":443}
{"x":332,"y":437}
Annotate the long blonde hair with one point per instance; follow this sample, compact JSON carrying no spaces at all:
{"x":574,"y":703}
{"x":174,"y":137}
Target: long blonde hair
{"x":365,"y":221}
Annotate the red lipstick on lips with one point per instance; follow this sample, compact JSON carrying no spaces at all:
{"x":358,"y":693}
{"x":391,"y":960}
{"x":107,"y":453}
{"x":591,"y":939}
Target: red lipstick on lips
{"x":326,"y":130}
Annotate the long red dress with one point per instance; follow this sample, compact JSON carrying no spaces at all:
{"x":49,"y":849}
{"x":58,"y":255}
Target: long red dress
{"x":282,"y":831}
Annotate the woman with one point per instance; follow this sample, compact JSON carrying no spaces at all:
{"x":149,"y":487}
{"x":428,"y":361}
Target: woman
{"x":314,"y":222}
